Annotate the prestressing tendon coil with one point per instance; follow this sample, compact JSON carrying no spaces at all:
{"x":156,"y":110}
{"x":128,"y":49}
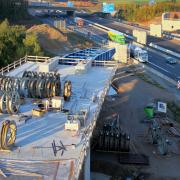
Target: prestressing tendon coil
{"x":33,"y":84}
{"x":13,"y":102}
{"x":8,"y":134}
{"x":9,"y":102}
{"x":67,"y":90}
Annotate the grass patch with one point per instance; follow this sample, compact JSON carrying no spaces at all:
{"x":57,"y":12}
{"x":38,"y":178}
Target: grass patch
{"x":147,"y":79}
{"x":175,"y":109}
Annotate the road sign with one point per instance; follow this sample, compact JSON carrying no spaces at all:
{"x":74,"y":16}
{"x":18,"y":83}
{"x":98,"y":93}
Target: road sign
{"x":70,"y":4}
{"x":162,"y":107}
{"x":108,"y":8}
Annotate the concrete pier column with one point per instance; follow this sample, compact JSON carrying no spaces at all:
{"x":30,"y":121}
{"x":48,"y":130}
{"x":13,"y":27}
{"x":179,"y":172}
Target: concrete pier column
{"x":87,"y":166}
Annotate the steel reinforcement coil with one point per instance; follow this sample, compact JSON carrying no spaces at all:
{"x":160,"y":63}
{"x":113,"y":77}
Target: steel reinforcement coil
{"x":42,"y":75}
{"x":67,"y":90}
{"x":9,"y":102}
{"x":8,"y":134}
{"x":33,"y":84}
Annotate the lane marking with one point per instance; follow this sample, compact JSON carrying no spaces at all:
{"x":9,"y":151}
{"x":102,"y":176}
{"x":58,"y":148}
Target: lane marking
{"x":158,"y":67}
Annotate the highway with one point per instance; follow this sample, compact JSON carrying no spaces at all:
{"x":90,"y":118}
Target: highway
{"x":172,"y":45}
{"x":156,"y":59}
{"x":158,"y":62}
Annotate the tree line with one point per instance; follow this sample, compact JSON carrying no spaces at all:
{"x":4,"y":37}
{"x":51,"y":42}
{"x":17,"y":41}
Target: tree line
{"x":13,"y":9}
{"x":138,"y":13}
{"x":15,"y":43}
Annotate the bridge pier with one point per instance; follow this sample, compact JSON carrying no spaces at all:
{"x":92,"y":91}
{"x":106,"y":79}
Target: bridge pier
{"x":87,"y":167}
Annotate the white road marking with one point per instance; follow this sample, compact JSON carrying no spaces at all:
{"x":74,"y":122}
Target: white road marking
{"x":158,"y":67}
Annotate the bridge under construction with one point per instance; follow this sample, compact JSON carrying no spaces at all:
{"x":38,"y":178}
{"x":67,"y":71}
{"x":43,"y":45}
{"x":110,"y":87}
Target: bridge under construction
{"x":49,"y":108}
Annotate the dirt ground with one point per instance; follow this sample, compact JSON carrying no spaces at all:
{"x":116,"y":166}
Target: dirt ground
{"x":134,"y":93}
{"x":156,"y":20}
{"x":59,"y":43}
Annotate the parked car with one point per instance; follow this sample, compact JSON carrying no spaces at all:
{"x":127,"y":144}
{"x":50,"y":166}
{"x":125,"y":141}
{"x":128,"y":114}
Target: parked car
{"x":171,"y":60}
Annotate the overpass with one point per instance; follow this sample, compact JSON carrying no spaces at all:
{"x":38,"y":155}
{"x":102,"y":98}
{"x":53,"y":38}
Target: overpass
{"x":50,"y":6}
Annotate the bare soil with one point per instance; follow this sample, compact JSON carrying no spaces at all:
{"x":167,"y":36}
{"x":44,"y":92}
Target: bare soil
{"x":134,"y":93}
{"x":59,"y":43}
{"x":156,"y":20}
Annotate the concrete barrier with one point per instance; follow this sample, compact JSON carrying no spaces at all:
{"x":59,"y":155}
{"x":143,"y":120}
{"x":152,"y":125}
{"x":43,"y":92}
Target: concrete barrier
{"x":107,"y":29}
{"x":156,"y":72}
{"x":164,"y":50}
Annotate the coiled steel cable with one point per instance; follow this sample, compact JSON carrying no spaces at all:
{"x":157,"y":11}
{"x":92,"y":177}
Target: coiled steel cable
{"x":8,"y":134}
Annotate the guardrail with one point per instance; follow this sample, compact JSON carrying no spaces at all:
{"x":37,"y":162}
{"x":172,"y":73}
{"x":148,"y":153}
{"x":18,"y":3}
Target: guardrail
{"x":171,"y":35}
{"x":68,"y":61}
{"x":89,"y":130}
{"x":21,"y":61}
{"x":106,"y":28}
{"x":164,"y":50}
{"x":166,"y":34}
{"x":172,"y":81}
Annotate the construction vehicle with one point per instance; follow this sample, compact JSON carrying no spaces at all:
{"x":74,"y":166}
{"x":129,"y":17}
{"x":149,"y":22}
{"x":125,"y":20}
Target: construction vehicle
{"x":116,"y":37}
{"x":138,"y":53}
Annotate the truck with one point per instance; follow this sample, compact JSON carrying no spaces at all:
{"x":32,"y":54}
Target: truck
{"x":138,"y":53}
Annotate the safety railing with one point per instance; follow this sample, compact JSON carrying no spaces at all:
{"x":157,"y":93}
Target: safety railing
{"x":89,"y":129}
{"x":21,"y":61}
{"x":164,"y":50}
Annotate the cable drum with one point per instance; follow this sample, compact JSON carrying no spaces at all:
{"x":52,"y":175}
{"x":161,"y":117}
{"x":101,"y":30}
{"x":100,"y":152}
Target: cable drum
{"x":33,"y":84}
{"x":24,"y":87}
{"x":6,"y":84}
{"x":48,"y":88}
{"x":9,"y":102}
{"x":57,"y":88}
{"x":3,"y":102}
{"x":25,"y":74}
{"x":32,"y":88}
{"x":8,"y":134}
{"x":13,"y":102}
{"x":40,"y":88}
{"x":16,"y":85}
{"x":67,"y":90}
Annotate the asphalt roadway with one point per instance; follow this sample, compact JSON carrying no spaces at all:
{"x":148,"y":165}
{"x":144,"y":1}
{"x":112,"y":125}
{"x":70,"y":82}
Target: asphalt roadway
{"x":172,"y":45}
{"x":157,"y":60}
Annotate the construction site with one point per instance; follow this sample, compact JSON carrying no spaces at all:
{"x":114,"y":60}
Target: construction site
{"x":48,"y":113}
{"x":149,"y":146}
{"x":102,"y":105}
{"x":55,"y":115}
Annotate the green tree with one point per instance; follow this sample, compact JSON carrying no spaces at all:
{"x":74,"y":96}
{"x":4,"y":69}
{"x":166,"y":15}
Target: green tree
{"x":15,"y":43}
{"x":31,"y":44}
